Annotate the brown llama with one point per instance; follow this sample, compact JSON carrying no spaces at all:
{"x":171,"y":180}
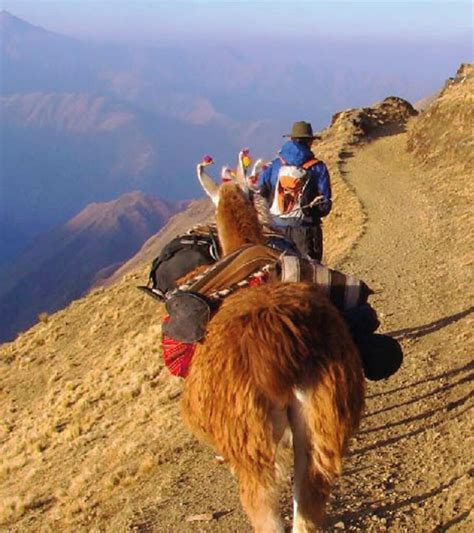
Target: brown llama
{"x":275,"y":356}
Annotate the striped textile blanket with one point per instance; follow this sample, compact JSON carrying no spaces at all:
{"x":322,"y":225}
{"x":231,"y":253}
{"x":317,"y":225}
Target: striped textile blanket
{"x":344,"y":291}
{"x":232,"y":272}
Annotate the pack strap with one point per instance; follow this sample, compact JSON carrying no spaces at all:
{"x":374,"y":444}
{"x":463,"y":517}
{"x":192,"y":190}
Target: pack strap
{"x":310,"y":163}
{"x":319,"y":200}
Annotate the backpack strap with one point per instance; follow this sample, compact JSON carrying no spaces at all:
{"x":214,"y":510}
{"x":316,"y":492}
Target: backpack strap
{"x":310,"y":163}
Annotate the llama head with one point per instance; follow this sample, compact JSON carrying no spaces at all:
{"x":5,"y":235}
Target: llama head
{"x":227,"y":174}
{"x":238,"y":176}
{"x":236,"y":214}
{"x":252,"y":178}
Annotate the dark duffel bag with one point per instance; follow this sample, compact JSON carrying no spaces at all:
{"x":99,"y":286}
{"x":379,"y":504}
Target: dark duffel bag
{"x":181,"y":256}
{"x":381,"y":355}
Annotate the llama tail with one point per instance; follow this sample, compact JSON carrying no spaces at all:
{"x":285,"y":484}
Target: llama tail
{"x":322,"y":417}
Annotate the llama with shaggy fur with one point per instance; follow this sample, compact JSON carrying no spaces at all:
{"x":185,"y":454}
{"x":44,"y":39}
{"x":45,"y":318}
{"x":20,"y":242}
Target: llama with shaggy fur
{"x":275,"y":356}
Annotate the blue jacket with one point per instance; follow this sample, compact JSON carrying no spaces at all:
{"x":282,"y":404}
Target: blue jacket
{"x":294,"y":153}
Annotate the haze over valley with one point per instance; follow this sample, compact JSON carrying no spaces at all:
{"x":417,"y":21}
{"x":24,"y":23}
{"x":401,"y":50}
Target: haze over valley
{"x":86,"y":121}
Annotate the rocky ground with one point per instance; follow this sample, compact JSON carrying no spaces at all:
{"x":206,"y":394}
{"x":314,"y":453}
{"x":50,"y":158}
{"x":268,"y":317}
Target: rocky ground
{"x":91,"y":437}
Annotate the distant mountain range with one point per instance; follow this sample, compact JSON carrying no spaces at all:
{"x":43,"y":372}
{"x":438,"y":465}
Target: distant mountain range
{"x":65,"y":262}
{"x":84,"y":122}
{"x":72,"y":133}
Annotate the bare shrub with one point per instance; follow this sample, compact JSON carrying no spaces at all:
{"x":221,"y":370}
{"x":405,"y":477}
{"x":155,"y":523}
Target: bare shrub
{"x":43,"y":318}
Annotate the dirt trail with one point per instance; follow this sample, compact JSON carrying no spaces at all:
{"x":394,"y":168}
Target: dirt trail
{"x":410,"y":466}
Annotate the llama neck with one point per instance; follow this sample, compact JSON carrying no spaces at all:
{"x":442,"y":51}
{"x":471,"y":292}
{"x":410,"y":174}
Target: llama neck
{"x":237,"y":221}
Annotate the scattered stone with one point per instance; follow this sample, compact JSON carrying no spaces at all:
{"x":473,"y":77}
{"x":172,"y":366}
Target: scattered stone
{"x":205,"y":517}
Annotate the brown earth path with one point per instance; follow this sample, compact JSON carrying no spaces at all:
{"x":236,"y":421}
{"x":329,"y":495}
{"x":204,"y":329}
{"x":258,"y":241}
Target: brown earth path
{"x":410,"y":466}
{"x":409,"y":469}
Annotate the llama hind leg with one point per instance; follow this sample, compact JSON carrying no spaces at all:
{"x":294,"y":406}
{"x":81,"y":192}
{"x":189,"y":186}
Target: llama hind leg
{"x":260,"y":503}
{"x":259,"y":488}
{"x":311,"y":487}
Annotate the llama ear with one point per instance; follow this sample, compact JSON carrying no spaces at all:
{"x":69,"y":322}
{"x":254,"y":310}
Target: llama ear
{"x":240,"y":176}
{"x":257,"y":168}
{"x":210,"y":188}
{"x":226,"y":174}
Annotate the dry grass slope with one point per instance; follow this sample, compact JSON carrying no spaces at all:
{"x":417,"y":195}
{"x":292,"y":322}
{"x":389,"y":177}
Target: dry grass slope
{"x":442,"y":140}
{"x":443,"y":135}
{"x":87,"y":410}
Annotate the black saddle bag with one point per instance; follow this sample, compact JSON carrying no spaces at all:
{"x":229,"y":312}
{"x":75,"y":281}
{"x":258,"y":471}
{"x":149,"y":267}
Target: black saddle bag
{"x":181,"y":256}
{"x":189,"y":313}
{"x":381,"y":355}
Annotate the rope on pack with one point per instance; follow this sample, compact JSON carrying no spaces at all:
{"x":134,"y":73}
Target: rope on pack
{"x":259,"y":275}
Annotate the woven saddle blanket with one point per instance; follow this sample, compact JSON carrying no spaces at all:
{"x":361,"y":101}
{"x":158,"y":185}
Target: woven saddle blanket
{"x":232,"y":271}
{"x":240,"y":268}
{"x":190,"y":306}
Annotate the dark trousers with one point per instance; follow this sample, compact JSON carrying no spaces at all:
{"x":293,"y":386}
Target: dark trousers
{"x":308,"y":240}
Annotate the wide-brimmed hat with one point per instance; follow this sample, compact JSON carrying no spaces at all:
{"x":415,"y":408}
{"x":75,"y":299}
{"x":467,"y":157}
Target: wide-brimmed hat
{"x":302,"y":130}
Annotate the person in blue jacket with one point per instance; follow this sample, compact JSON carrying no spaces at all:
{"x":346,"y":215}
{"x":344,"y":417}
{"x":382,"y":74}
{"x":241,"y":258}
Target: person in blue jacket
{"x":297,"y":187}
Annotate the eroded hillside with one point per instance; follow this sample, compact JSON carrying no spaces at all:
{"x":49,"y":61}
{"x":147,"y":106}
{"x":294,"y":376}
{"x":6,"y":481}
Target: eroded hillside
{"x":442,"y":138}
{"x":63,"y":264}
{"x":92,"y":438}
{"x":442,"y":141}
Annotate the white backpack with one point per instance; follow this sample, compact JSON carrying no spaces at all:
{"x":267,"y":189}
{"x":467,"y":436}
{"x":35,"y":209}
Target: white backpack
{"x":292,"y":180}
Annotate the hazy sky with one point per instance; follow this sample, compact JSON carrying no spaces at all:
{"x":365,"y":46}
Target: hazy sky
{"x":153,"y":21}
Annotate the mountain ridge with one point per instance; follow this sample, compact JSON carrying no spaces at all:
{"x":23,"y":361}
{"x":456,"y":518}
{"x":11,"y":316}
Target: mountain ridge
{"x":9,"y":22}
{"x":91,"y":116}
{"x":64,"y":263}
